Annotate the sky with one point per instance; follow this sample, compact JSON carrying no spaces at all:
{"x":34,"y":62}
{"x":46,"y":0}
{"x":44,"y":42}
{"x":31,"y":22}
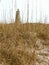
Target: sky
{"x":37,"y":8}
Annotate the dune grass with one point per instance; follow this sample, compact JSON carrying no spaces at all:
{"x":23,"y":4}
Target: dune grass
{"x":17,"y":41}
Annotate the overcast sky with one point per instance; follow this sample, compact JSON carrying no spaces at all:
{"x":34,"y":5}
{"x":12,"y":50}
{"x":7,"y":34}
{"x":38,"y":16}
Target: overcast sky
{"x":8,"y":8}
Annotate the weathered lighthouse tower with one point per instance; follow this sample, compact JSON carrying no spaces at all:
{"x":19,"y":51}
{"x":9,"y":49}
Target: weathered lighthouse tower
{"x":17,"y":18}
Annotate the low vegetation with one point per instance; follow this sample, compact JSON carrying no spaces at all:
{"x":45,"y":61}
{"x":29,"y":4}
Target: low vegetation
{"x":18,"y":43}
